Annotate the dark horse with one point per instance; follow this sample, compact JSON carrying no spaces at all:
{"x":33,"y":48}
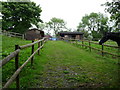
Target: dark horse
{"x":115,"y":36}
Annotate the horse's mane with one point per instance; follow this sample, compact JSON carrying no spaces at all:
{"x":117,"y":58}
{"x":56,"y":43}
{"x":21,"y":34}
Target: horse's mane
{"x":116,"y":34}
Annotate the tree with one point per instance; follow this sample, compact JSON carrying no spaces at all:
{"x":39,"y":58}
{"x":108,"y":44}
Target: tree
{"x":19,"y":16}
{"x":45,"y":27}
{"x":48,"y":27}
{"x":41,"y":26}
{"x":85,"y":23}
{"x":81,"y":28}
{"x":102,"y":24}
{"x":56,"y":25}
{"x":95,"y":24}
{"x":114,"y":9}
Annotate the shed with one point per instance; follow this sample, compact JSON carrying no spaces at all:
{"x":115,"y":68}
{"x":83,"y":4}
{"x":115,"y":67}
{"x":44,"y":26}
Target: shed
{"x":33,"y":34}
{"x":70,"y":35}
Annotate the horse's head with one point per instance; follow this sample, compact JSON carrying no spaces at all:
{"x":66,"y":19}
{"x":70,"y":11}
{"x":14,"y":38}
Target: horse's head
{"x":104,"y":38}
{"x":115,"y":36}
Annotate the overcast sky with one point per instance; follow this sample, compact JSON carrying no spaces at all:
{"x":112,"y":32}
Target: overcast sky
{"x":70,"y":11}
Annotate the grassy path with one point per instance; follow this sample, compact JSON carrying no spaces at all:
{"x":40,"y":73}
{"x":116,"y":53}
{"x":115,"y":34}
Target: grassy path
{"x":70,"y":67}
{"x":60,"y":65}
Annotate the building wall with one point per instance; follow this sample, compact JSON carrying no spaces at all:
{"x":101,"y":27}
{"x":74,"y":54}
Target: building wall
{"x":80,"y":37}
{"x":33,"y":34}
{"x":77,"y":37}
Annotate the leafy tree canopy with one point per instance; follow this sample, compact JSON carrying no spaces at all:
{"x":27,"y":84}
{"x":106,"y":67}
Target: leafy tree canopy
{"x":94,"y":24}
{"x":19,"y":16}
{"x":114,"y":9}
{"x":57,"y":24}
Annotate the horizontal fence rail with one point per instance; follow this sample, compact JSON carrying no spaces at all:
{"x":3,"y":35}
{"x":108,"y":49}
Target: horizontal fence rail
{"x":28,"y":45}
{"x":103,"y":44}
{"x":13,"y":77}
{"x":9,"y":57}
{"x":13,"y":34}
{"x":16,"y":55}
{"x":75,"y":41}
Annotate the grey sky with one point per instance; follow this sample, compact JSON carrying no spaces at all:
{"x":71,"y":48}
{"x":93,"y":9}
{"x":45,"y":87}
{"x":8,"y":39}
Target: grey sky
{"x":69,"y":10}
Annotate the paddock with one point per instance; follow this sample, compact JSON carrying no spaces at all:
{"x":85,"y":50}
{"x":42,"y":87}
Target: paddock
{"x":62,"y":65}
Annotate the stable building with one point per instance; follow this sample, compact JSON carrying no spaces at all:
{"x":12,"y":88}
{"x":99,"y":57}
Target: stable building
{"x":34,"y":34}
{"x":70,"y":35}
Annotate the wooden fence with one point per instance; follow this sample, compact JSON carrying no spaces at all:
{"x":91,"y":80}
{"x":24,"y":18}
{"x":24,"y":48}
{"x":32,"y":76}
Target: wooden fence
{"x":13,"y":34}
{"x":102,"y":47}
{"x":16,"y":55}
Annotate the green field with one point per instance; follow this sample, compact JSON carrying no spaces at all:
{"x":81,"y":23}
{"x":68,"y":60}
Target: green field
{"x":61,"y":65}
{"x":97,"y":46}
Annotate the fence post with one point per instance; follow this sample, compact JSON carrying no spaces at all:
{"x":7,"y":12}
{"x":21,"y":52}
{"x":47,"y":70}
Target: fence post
{"x":16,"y":67}
{"x":89,"y":45}
{"x":23,"y":36}
{"x":102,"y":50}
{"x":32,"y":53}
{"x":38,"y":47}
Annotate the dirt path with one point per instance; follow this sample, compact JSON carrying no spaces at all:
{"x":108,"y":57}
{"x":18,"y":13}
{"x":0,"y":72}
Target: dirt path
{"x":66,"y":68}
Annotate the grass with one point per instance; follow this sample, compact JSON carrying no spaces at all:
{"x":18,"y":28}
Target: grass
{"x":69,"y":67}
{"x":62,"y":65}
{"x":28,"y":72}
{"x":106,"y":48}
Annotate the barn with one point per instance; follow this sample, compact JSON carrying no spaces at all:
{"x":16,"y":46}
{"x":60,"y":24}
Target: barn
{"x":33,"y":34}
{"x":70,"y":35}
